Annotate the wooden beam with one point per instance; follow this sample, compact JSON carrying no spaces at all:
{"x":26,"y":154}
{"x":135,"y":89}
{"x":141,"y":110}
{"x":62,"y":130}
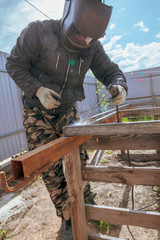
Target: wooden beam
{"x":125,"y":175}
{"x":139,"y":157}
{"x":121,"y":142}
{"x":95,"y":236}
{"x":110,"y":129}
{"x":141,"y":112}
{"x":75,"y":193}
{"x":121,"y":216}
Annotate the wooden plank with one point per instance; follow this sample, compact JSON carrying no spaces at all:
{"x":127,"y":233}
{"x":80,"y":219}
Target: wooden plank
{"x":125,"y":175}
{"x":141,"y":112}
{"x":108,"y":129}
{"x":95,"y":236}
{"x":30,"y":162}
{"x":121,"y":142}
{"x":121,"y":216}
{"x":75,"y":193}
{"x":139,"y":157}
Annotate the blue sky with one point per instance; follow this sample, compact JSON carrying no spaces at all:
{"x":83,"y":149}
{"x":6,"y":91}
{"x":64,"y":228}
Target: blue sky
{"x":132,"y":38}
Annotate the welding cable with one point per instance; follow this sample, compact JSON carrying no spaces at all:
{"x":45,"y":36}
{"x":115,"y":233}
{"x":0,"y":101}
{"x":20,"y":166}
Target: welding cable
{"x":149,"y":205}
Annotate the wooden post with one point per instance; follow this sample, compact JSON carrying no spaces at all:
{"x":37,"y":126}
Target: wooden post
{"x":75,"y":192}
{"x":156,"y":118}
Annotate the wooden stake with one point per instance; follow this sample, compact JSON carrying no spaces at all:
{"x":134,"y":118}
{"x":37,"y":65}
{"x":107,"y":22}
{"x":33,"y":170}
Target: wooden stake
{"x":75,"y":191}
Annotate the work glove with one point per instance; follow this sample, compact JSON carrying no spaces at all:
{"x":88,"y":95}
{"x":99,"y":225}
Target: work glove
{"x":118,"y":94}
{"x":48,"y":98}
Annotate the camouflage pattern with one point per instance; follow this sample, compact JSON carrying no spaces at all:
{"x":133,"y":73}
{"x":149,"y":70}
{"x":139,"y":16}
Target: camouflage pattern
{"x":41,"y":128}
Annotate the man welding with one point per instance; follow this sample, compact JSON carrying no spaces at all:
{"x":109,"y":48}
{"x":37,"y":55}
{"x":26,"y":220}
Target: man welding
{"x":49,"y":63}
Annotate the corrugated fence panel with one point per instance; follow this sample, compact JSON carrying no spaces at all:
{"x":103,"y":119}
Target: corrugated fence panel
{"x":91,"y":97}
{"x":143,"y":83}
{"x":12,"y":134}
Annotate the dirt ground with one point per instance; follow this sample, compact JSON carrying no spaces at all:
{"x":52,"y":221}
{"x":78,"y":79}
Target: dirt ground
{"x":29,"y":213}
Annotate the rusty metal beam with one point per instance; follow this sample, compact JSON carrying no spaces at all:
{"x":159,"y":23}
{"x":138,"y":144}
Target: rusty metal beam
{"x":26,"y":164}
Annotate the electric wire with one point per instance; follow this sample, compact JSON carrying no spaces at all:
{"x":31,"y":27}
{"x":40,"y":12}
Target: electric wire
{"x":158,"y":200}
{"x":37,"y":9}
{"x":11,"y":28}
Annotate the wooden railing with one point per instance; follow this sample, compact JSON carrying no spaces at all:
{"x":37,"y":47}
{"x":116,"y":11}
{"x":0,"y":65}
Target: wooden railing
{"x":115,"y":136}
{"x":102,"y":133}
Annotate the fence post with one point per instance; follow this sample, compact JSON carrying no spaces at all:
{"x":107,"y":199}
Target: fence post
{"x":73,"y":176}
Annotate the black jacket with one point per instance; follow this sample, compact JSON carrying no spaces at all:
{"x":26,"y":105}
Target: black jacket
{"x":38,"y":59}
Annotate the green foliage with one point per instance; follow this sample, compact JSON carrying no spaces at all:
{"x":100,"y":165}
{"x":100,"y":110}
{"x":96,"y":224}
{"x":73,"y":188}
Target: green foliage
{"x":109,"y":152}
{"x":156,"y":189}
{"x":106,"y":226}
{"x":3,"y":234}
{"x":137,"y":119}
{"x":104,"y":104}
{"x":90,"y":151}
{"x":104,"y":160}
{"x":109,"y":194}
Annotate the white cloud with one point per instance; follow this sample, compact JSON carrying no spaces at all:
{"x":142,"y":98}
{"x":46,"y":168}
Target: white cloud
{"x":15,"y":16}
{"x":134,"y":56}
{"x":108,"y":46}
{"x":108,"y":32}
{"x":121,"y":9}
{"x":112,"y":26}
{"x":158,"y":35}
{"x":141,"y":26}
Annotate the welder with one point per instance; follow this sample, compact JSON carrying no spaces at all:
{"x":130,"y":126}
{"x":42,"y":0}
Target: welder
{"x":49,"y":63}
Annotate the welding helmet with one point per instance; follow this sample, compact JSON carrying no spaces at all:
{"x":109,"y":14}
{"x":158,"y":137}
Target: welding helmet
{"x":83,"y":22}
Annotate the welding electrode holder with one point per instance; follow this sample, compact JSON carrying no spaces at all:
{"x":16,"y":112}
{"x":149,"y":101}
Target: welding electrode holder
{"x":113,"y":91}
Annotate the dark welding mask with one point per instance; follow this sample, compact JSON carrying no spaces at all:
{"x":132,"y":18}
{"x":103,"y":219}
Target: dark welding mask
{"x":83,"y":22}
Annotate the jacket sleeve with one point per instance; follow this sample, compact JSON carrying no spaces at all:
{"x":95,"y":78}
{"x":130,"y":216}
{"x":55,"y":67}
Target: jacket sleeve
{"x":24,"y":55}
{"x":105,"y":70}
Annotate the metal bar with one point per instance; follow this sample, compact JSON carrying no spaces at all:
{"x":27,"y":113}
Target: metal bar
{"x":117,"y":110}
{"x":142,"y":97}
{"x":106,"y":113}
{"x":109,"y":129}
{"x":95,"y":236}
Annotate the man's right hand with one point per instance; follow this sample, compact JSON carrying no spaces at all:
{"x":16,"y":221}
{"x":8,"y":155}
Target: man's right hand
{"x":48,"y":98}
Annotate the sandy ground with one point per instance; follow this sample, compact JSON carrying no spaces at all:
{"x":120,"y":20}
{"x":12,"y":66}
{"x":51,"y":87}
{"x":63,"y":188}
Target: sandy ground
{"x":29,"y":213}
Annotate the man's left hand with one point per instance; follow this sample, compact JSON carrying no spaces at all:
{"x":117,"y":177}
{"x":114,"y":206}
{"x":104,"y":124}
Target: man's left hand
{"x":121,"y":95}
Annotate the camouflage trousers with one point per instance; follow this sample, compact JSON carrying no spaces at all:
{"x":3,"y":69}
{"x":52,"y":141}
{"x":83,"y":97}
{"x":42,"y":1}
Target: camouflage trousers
{"x":41,"y":128}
